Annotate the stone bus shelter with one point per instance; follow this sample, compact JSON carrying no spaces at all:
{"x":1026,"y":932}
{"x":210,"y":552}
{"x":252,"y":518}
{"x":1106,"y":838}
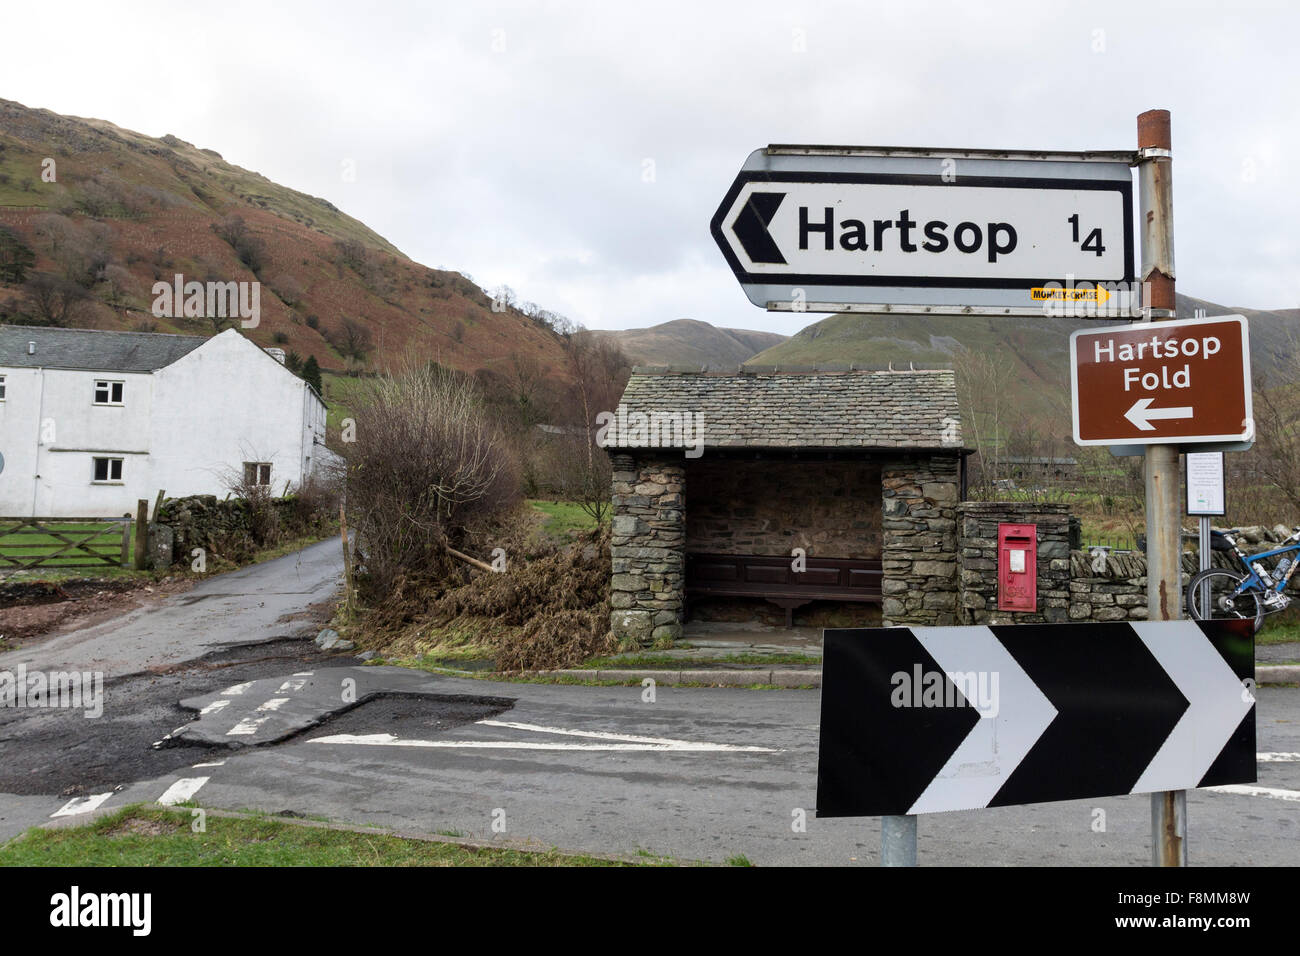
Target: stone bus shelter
{"x":788,"y":486}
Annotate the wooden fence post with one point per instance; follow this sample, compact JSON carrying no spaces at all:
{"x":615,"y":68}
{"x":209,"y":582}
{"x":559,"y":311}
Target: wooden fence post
{"x":347,"y":558}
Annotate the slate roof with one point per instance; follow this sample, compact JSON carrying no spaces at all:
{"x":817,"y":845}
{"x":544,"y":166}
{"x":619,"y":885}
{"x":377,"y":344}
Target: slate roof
{"x":92,"y":349}
{"x":819,"y":410}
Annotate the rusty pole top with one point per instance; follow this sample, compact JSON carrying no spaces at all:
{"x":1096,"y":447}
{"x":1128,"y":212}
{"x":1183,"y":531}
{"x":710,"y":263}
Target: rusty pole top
{"x":1157,"y":228}
{"x":1153,"y":130}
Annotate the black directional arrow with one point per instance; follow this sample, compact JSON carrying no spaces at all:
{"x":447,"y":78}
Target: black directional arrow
{"x":751,"y":225}
{"x":1105,"y":731}
{"x":875,"y":757}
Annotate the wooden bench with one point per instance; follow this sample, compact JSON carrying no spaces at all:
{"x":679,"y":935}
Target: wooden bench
{"x":774,"y":579}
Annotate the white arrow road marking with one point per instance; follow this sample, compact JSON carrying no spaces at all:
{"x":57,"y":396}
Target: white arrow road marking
{"x":249,"y":725}
{"x":995,"y":746}
{"x":290,"y":686}
{"x":182,"y":790}
{"x":237,"y":689}
{"x":681,"y":746}
{"x":612,"y":741}
{"x":1277,"y":758}
{"x":1249,"y":790}
{"x":1142,"y":414}
{"x":1214,"y":693}
{"x":81,"y":805}
{"x":595,"y":734}
{"x":213,"y":707}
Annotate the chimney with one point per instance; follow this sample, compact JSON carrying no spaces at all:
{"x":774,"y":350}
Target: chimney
{"x":277,"y":354}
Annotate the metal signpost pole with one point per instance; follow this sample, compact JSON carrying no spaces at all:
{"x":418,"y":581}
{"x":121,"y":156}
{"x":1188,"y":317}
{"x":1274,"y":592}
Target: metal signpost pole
{"x":1163,"y":512}
{"x":1205,"y":562}
{"x":898,"y":840}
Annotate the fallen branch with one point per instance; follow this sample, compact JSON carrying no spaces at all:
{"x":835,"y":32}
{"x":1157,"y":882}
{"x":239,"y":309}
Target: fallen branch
{"x":481,"y":565}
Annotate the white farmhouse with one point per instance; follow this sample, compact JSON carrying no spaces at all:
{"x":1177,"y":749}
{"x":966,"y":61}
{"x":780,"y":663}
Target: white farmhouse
{"x":92,"y":421}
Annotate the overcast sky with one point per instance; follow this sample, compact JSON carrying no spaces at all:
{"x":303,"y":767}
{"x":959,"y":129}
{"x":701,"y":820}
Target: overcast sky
{"x":577,"y":151}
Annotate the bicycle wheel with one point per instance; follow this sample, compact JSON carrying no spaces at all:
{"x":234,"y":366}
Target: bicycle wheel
{"x":1212,"y":596}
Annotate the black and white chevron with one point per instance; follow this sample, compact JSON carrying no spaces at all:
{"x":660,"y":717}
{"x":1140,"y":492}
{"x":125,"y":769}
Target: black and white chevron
{"x":1081,"y":711}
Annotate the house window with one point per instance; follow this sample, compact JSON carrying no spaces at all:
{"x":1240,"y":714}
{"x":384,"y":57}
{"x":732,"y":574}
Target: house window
{"x":108,"y":393}
{"x":257,"y":473}
{"x":108,"y":469}
{"x":2,"y":388}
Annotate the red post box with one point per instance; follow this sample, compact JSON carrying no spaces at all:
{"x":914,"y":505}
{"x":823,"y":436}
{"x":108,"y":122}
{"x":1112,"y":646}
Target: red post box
{"x":1017,"y":567}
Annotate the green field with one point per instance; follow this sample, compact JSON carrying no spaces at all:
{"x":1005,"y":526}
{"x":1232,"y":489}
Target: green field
{"x":564,"y":519}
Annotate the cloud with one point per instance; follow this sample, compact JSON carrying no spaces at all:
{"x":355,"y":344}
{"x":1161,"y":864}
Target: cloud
{"x":512,"y":141}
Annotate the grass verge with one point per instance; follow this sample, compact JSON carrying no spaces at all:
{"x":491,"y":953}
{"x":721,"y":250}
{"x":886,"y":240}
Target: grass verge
{"x":653,"y":661}
{"x":141,"y":835}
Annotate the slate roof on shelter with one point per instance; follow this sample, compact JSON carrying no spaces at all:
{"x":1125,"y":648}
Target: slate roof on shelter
{"x":92,"y":349}
{"x":915,"y":409}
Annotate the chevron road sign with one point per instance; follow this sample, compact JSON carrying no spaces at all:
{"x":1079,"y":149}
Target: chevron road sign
{"x":830,"y":229}
{"x":920,"y":720}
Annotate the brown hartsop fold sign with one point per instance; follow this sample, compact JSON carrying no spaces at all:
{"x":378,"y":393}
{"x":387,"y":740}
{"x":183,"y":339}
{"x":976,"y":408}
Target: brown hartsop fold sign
{"x":1162,"y":382}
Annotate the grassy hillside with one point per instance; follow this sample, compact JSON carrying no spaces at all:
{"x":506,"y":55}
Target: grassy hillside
{"x":692,"y":342}
{"x":126,"y":210}
{"x":1032,"y":354}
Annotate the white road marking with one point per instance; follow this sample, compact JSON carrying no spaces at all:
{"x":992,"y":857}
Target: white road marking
{"x":249,"y":725}
{"x":1277,"y":758}
{"x":608,"y":735}
{"x":304,"y":673}
{"x":182,"y":790}
{"x":81,"y":805}
{"x":679,"y":746}
{"x":1250,"y":790}
{"x":213,"y":707}
{"x":237,"y":689}
{"x":212,"y":763}
{"x":292,"y":685}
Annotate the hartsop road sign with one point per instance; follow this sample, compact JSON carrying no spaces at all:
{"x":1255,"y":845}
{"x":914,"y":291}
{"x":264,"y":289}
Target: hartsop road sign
{"x":926,"y":719}
{"x":812,"y":228}
{"x":1186,"y":381}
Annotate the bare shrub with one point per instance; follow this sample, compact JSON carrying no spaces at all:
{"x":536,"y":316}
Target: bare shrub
{"x":287,"y":287}
{"x":352,"y":340}
{"x":264,"y":527}
{"x":428,"y":466}
{"x":54,"y":300}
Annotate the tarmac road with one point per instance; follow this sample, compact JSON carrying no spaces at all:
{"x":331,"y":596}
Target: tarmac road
{"x":697,"y":773}
{"x":251,"y":604}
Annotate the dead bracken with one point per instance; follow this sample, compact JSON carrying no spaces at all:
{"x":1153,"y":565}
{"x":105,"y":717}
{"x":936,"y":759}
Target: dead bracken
{"x":549,"y":610}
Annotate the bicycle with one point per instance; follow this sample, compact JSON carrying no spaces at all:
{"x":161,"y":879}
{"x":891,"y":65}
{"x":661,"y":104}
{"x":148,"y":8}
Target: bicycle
{"x":1223,"y":593}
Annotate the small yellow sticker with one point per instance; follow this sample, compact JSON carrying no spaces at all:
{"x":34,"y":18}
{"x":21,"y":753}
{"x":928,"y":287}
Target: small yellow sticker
{"x":1069,"y":295}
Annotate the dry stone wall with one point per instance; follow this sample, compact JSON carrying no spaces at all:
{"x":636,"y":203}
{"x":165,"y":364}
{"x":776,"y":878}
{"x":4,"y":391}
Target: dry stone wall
{"x":831,"y":509}
{"x":647,"y":548}
{"x":920,"y":499}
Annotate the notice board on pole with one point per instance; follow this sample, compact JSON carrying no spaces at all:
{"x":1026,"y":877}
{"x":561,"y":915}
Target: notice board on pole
{"x":1206,"y":495}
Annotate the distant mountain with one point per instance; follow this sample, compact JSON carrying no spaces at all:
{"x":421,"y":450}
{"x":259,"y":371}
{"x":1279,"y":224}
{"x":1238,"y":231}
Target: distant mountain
{"x":692,"y":342}
{"x":1035,"y":352}
{"x":101,"y":213}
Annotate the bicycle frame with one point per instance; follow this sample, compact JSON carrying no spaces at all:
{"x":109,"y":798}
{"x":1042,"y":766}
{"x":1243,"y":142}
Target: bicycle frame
{"x":1253,"y":581}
